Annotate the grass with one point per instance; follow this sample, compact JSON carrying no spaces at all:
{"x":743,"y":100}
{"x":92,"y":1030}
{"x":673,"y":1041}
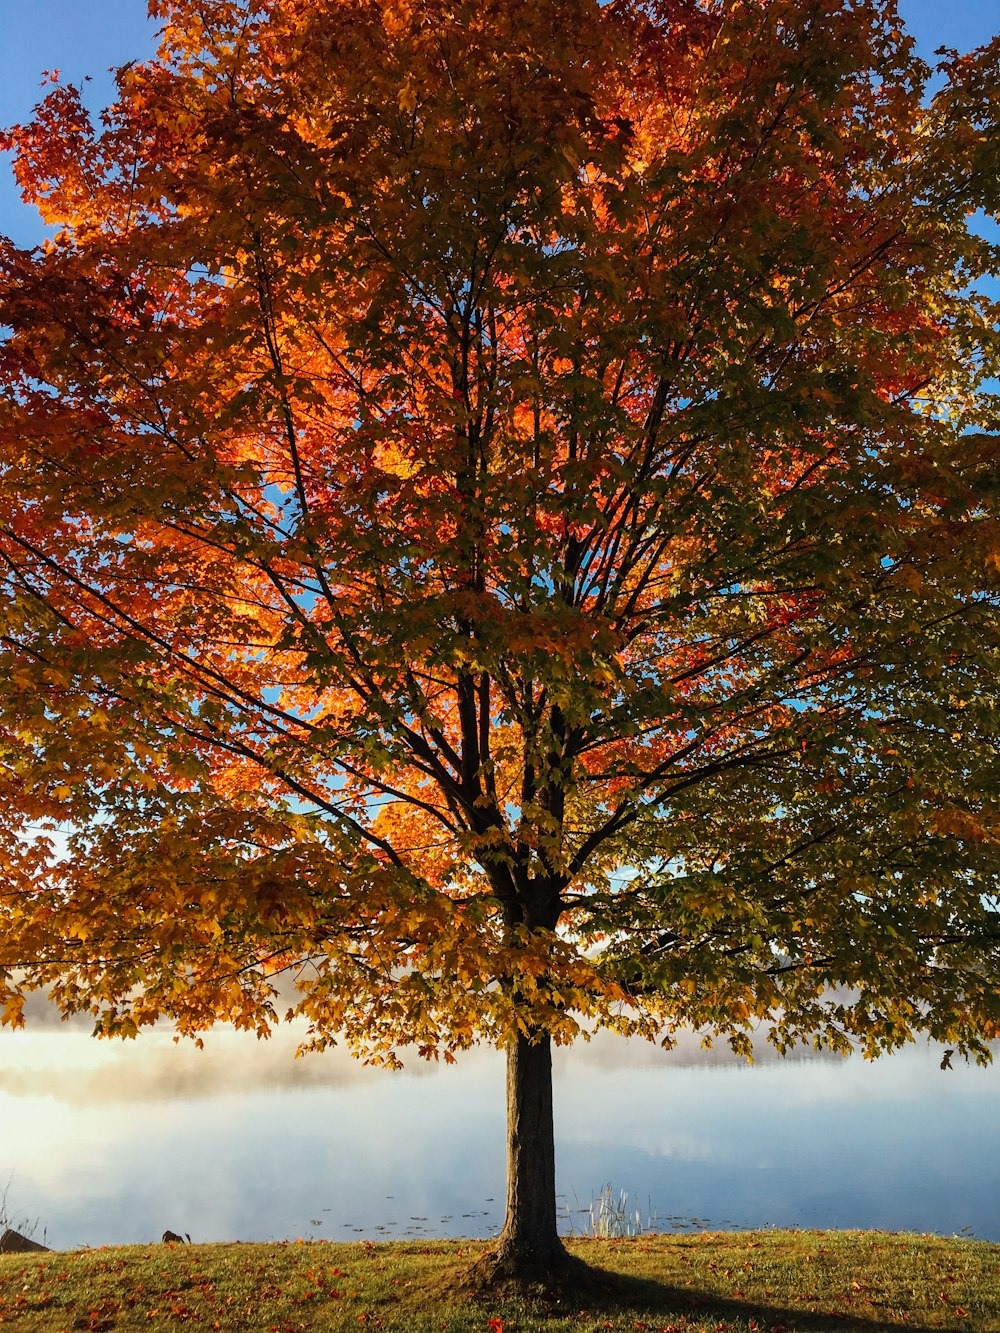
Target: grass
{"x":24,"y":1225}
{"x":719,"y":1282}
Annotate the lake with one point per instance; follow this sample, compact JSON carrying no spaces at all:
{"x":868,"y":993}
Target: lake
{"x":110,"y":1144}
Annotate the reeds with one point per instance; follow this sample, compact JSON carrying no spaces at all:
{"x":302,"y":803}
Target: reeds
{"x":613,"y":1216}
{"x":24,"y":1226}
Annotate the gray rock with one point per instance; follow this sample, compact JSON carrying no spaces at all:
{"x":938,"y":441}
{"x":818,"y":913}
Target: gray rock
{"x":12,"y":1242}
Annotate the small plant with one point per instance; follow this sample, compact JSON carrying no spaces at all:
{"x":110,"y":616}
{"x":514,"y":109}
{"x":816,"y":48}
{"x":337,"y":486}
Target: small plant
{"x":24,"y":1226}
{"x":613,"y":1216}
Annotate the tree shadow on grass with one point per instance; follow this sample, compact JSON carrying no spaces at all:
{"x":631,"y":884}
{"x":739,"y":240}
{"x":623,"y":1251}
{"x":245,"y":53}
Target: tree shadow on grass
{"x":659,"y":1304}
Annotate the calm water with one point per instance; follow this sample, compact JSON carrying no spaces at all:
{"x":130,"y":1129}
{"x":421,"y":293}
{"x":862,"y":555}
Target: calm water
{"x":114,"y":1143}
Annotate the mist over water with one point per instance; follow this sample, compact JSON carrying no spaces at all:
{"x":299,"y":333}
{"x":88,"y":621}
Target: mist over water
{"x":108,"y":1143}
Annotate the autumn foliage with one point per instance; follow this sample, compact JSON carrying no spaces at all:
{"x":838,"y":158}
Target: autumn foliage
{"x":497,"y":518}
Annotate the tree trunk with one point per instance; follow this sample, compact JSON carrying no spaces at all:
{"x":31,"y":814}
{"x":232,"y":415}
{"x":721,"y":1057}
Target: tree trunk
{"x":528,"y":1252}
{"x":528,"y":1248}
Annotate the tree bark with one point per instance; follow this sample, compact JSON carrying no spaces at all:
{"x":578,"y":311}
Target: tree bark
{"x":528,"y":1247}
{"x":528,"y":1252}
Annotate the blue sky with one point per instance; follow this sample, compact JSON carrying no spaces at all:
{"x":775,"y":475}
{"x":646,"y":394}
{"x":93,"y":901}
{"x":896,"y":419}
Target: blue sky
{"x":86,"y":37}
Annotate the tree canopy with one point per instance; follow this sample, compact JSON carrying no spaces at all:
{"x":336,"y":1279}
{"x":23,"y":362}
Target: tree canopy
{"x":497,"y":516}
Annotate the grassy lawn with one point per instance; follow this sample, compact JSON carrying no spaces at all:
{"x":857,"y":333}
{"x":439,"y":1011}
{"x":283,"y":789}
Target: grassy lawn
{"x":758,"y":1282}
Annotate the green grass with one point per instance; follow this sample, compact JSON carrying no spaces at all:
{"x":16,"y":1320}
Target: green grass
{"x":728,"y":1282}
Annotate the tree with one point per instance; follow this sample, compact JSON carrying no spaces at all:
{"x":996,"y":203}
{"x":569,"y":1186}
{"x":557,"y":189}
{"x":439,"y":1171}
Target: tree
{"x":497,"y":518}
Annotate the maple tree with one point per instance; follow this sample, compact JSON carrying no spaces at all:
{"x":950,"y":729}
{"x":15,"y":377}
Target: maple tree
{"x":497,"y":521}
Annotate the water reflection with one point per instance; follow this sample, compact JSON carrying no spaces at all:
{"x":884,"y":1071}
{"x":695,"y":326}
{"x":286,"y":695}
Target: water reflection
{"x":113,"y":1144}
